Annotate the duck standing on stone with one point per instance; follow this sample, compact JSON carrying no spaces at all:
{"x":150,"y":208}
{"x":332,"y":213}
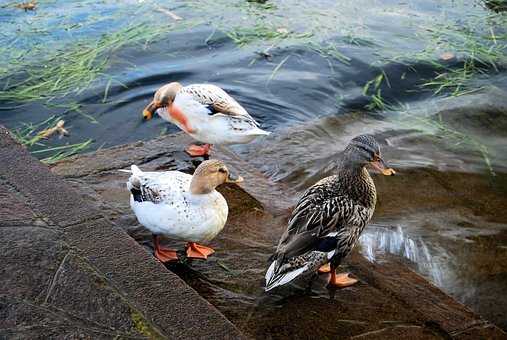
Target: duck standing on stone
{"x":181,"y":206}
{"x":205,"y":112}
{"x":329,"y":218}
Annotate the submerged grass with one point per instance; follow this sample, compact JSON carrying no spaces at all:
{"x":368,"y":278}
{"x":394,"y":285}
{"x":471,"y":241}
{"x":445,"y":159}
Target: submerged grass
{"x":374,"y":90}
{"x":73,"y":68}
{"x":478,"y":53}
{"x":29,"y":135}
{"x":70,"y":70}
{"x":459,"y":54}
{"x":436,"y":125}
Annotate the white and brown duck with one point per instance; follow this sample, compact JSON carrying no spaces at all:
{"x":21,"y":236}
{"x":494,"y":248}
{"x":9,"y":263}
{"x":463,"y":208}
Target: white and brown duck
{"x":181,"y":206}
{"x":205,"y":112}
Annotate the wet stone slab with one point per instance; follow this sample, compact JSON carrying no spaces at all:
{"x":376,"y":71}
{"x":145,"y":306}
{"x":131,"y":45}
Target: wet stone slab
{"x":69,"y":273}
{"x":390,"y":301}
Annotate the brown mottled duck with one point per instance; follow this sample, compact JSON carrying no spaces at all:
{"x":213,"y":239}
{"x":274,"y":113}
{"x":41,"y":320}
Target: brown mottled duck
{"x":329,"y":218}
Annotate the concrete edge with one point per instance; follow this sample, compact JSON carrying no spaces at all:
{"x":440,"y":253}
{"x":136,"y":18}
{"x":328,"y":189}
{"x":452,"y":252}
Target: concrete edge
{"x":173,"y":307}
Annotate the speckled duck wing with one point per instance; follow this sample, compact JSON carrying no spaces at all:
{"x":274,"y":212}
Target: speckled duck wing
{"x":217,"y":101}
{"x":159,"y":187}
{"x":160,"y":201}
{"x":318,"y":216}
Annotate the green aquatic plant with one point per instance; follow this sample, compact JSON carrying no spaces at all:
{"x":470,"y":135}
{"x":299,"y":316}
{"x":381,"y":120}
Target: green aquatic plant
{"x":72,"y":69}
{"x":30,"y":135}
{"x":436,"y":125}
{"x":328,"y":49}
{"x":277,"y":68}
{"x":460,"y":52}
{"x":478,"y":53}
{"x":262,"y":32}
{"x":373,"y":89}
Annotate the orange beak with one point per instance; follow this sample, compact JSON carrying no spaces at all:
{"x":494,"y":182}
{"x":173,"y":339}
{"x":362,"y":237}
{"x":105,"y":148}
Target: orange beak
{"x":149,"y":110}
{"x":381,"y":166}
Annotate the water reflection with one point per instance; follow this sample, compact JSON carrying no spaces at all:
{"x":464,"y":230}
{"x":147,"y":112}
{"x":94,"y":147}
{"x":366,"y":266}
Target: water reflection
{"x":378,"y":240}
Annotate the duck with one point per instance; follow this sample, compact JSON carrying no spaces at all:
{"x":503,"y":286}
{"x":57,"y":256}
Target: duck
{"x":329,"y":218}
{"x":206,"y":113}
{"x":181,"y":206}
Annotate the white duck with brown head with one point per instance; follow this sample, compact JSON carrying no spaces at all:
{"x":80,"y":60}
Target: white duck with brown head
{"x":181,"y":206}
{"x":205,"y":112}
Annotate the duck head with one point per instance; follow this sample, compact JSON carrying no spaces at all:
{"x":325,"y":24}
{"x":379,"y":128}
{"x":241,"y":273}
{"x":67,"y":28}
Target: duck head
{"x":210,"y":174}
{"x":162,"y":98}
{"x":364,"y":150}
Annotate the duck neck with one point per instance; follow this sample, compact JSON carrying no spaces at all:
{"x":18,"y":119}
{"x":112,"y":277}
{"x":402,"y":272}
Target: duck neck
{"x":200,"y":186}
{"x":359,"y":183}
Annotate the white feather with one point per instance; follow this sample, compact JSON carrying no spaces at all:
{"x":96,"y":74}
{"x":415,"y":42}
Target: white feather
{"x":177,"y":213}
{"x":270,"y":271}
{"x":218,"y":128}
{"x":287,"y":277}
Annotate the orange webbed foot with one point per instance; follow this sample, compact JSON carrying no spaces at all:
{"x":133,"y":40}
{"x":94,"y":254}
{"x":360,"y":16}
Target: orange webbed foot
{"x":166,"y":255}
{"x":341,"y":280}
{"x":198,"y":251}
{"x":325,"y":269}
{"x":196,"y":150}
{"x":161,"y":253}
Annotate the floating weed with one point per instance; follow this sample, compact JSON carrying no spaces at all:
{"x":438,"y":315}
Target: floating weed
{"x":64,"y":151}
{"x":435,"y":125}
{"x":73,"y":69}
{"x":480,"y":53}
{"x":29,"y":135}
{"x":262,"y":32}
{"x":277,"y":68}
{"x":329,"y":50}
{"x":373,"y":88}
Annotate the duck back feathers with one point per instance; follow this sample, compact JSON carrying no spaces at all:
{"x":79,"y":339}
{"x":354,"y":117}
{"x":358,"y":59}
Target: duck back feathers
{"x":324,"y":226}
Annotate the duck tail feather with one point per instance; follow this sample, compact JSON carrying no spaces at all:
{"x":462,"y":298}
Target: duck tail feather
{"x":134,"y":182}
{"x":259,"y":132}
{"x":135,"y":170}
{"x":274,"y":278}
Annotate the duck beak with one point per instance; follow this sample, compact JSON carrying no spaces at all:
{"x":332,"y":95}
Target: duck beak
{"x":381,"y":166}
{"x":233,"y":179}
{"x":149,"y":110}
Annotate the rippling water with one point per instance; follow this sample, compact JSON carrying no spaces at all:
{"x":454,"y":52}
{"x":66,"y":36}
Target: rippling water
{"x":378,"y":240}
{"x":316,"y":73}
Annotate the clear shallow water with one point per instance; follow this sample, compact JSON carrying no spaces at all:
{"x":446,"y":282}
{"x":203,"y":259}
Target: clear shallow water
{"x":316,"y":74}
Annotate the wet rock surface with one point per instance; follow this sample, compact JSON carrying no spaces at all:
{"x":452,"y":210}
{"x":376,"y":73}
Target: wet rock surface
{"x":390,"y":300}
{"x":67,"y":272}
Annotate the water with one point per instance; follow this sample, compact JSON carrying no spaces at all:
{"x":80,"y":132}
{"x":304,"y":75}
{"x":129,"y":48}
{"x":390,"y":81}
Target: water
{"x":379,"y":240}
{"x":315,"y":74}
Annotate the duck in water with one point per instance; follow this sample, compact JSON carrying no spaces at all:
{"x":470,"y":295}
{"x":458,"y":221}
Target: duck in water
{"x":329,"y":218}
{"x":205,"y":112}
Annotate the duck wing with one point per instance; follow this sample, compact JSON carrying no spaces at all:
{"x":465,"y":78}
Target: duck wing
{"x":217,"y":100}
{"x":157,"y":187}
{"x":320,"y":227}
{"x":316,"y":217}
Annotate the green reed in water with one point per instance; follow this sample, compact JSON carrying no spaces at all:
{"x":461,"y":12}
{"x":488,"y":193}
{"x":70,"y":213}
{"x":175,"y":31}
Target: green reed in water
{"x":459,"y":54}
{"x":30,"y":135}
{"x":476,"y":54}
{"x":435,"y":125}
{"x":73,"y":69}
